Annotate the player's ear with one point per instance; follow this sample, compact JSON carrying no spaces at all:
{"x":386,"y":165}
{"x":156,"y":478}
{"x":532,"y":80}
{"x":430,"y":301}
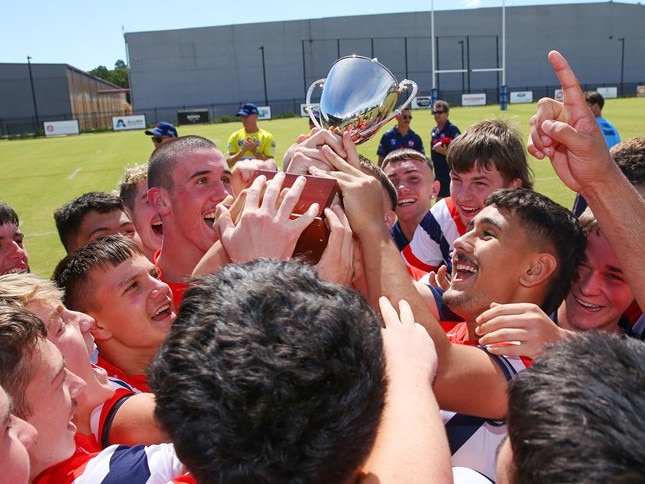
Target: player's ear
{"x":436,"y":188}
{"x":539,"y":270}
{"x":159,"y":199}
{"x":100,"y":332}
{"x":390,"y":218}
{"x":516,"y":183}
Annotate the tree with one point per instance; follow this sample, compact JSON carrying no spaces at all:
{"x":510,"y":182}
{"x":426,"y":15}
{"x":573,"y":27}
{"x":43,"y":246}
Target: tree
{"x":117,"y":76}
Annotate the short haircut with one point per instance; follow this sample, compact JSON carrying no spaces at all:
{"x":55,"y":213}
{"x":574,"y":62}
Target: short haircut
{"x":371,"y":168}
{"x":164,"y":158}
{"x":403,"y":154}
{"x":21,"y":290}
{"x":629,"y":155}
{"x":594,"y":97}
{"x":492,"y":143}
{"x":72,"y":274}
{"x":440,"y":103}
{"x":270,"y":374}
{"x":70,"y":216}
{"x":8,"y":215}
{"x":20,"y":333}
{"x":127,"y":186}
{"x":576,"y":414}
{"x":551,"y":228}
{"x":589,"y":222}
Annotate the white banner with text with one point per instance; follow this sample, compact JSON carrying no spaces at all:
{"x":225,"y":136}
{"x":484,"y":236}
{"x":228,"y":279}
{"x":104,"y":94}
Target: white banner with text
{"x":61,"y":128}
{"x":122,"y":123}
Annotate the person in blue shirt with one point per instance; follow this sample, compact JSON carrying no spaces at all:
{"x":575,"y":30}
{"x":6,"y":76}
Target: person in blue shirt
{"x":596,"y":102}
{"x":399,"y":136}
{"x":442,"y":135}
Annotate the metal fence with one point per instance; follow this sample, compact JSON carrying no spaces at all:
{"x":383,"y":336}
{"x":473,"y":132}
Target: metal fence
{"x":282,"y":107}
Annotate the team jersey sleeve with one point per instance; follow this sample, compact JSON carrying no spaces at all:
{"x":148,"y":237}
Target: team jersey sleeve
{"x":424,"y":250}
{"x":154,"y":464}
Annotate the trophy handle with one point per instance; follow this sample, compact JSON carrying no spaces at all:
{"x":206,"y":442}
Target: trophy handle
{"x":319,"y":83}
{"x":404,"y":85}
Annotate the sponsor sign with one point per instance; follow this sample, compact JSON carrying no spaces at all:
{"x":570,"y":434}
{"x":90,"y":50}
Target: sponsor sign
{"x":521,"y":97}
{"x":558,"y":95}
{"x":608,"y":92}
{"x":61,"y":128}
{"x":473,"y":99}
{"x":303,"y":109}
{"x":193,"y":116}
{"x":264,"y":112}
{"x":640,"y":91}
{"x":122,"y":123}
{"x":421,"y":102}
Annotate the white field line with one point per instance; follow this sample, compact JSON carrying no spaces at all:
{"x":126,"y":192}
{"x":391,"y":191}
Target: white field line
{"x":74,"y":173}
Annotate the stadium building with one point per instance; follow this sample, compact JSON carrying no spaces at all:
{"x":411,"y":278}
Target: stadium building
{"x":199,"y":74}
{"x":213,"y":69}
{"x":32,"y":94}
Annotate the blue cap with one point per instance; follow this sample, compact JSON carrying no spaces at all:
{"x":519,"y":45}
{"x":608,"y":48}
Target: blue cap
{"x":248,"y":109}
{"x":163,"y":130}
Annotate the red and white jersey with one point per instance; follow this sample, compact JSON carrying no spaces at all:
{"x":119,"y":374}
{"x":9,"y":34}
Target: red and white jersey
{"x":135,"y":381}
{"x":433,"y":239}
{"x":154,"y":464}
{"x":102,"y":416}
{"x":474,"y":440}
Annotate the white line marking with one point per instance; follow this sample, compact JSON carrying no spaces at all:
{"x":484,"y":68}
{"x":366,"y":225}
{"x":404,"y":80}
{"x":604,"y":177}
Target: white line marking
{"x":74,"y":173}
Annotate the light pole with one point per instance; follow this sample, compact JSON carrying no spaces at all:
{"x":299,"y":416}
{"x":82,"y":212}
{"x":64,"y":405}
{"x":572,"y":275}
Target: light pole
{"x":461,"y":43}
{"x":622,"y":63}
{"x":33,"y":92}
{"x":264,"y":77}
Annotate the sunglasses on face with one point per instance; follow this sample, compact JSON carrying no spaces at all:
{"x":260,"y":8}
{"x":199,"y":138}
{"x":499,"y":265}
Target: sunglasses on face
{"x":406,"y":117}
{"x":438,"y":112}
{"x":157,"y":139}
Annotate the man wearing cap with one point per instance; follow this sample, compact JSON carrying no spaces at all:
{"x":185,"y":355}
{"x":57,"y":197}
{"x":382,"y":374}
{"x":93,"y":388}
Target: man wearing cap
{"x":162,"y":133}
{"x":399,"y":136}
{"x":251,"y":141}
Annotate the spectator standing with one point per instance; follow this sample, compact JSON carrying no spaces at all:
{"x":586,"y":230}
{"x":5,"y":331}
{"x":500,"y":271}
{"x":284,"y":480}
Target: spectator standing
{"x":251,"y":141}
{"x":162,"y":133}
{"x":596,"y":102}
{"x":399,"y":136}
{"x":442,"y":134}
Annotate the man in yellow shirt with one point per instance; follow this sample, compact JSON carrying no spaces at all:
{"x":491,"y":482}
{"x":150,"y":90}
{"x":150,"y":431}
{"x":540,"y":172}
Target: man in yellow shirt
{"x":251,"y":141}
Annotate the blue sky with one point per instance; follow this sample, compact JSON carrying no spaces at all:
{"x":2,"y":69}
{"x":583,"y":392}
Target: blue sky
{"x":87,"y":34}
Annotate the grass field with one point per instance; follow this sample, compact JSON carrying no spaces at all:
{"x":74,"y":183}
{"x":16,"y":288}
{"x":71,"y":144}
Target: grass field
{"x":39,"y":175}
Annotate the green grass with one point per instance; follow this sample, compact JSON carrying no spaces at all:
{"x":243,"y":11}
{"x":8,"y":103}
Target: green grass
{"x":39,"y":175}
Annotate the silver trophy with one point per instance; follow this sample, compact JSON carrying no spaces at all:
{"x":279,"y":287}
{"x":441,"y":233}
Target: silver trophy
{"x":359,"y":95}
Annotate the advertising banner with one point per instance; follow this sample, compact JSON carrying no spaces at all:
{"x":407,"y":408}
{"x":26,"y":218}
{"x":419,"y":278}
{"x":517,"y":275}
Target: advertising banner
{"x":421,"y":102}
{"x":608,"y":92}
{"x":473,"y":99}
{"x":521,"y":97}
{"x":193,"y":116}
{"x":122,"y":123}
{"x":61,"y":128}
{"x":265,"y":112}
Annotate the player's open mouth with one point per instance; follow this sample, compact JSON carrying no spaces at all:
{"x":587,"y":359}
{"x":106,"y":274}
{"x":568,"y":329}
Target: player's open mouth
{"x":209,"y":218}
{"x":162,"y":312}
{"x":157,"y":227}
{"x":589,"y":306}
{"x":463,"y":267}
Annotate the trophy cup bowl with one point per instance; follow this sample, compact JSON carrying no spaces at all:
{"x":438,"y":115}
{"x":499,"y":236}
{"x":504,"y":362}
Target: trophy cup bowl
{"x":359,"y":95}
